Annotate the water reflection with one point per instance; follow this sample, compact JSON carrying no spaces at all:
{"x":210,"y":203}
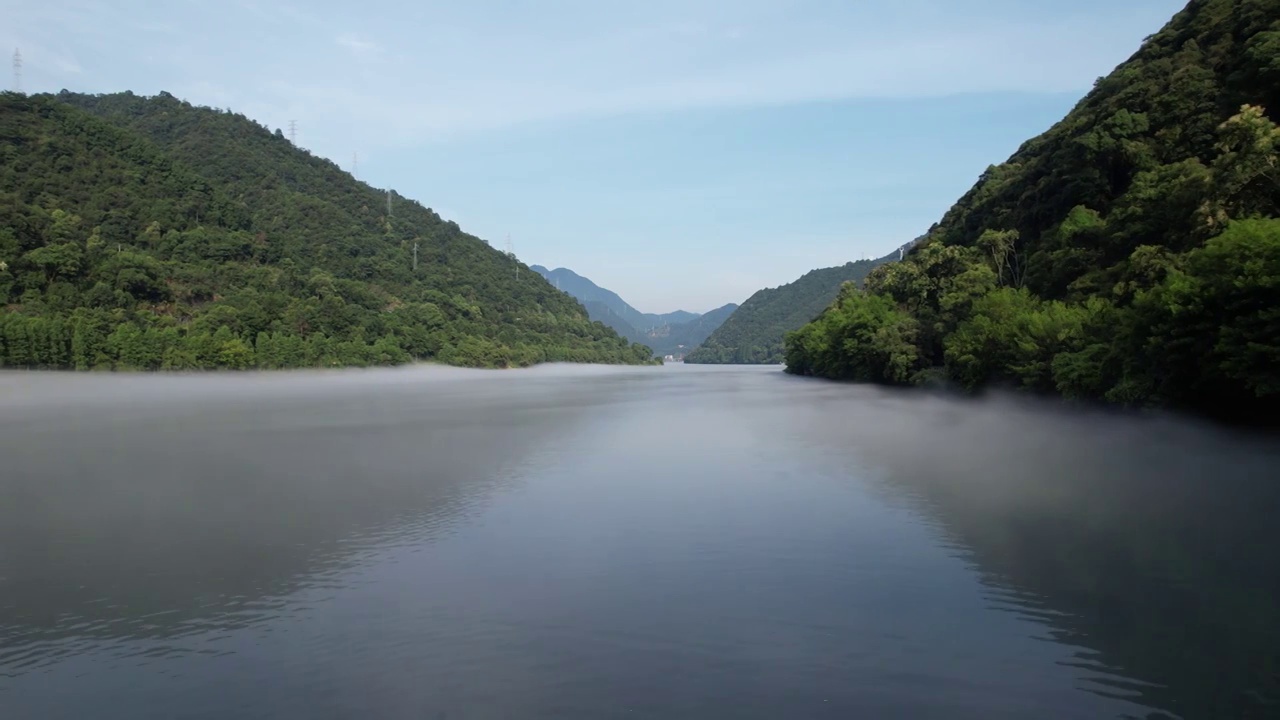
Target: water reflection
{"x":1149,"y":544}
{"x":137,"y":512}
{"x":595,"y":543}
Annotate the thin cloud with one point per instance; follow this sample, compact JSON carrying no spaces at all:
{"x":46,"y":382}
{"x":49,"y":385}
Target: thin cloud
{"x":355,"y":44}
{"x":466,"y":68}
{"x":156,"y":27}
{"x":517,"y":70}
{"x":67,"y":65}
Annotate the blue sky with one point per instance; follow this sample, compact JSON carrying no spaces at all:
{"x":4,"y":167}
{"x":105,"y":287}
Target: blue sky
{"x":683,"y":153}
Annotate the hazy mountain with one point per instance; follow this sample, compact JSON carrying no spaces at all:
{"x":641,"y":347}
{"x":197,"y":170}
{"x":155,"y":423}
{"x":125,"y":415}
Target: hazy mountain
{"x":664,"y":333}
{"x":672,"y":318}
{"x":589,"y":293}
{"x":601,"y":311}
{"x":680,"y":338}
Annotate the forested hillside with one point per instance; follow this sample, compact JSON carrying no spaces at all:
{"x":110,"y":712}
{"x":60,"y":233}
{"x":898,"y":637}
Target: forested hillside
{"x":146,"y":233}
{"x":754,"y":332}
{"x":601,"y":312}
{"x":1131,"y":253}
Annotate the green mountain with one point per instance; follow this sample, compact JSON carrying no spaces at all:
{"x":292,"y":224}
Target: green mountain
{"x":679,"y":338}
{"x":148,"y":233}
{"x":1129,"y":254}
{"x":754,"y":332}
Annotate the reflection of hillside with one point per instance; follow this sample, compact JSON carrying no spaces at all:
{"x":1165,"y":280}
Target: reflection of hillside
{"x":119,"y":523}
{"x":1149,"y":546}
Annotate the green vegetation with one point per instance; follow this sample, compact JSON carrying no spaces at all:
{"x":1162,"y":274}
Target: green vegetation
{"x":1130,"y":254}
{"x":754,"y":333}
{"x":145,"y":233}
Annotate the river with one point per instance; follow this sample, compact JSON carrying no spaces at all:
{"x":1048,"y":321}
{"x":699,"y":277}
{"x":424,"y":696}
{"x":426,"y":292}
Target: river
{"x":587,"y":542}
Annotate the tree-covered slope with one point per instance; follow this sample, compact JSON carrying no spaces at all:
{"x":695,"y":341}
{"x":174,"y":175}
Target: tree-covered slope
{"x":147,"y":233}
{"x":601,"y":312}
{"x":754,"y":332}
{"x":1131,"y":253}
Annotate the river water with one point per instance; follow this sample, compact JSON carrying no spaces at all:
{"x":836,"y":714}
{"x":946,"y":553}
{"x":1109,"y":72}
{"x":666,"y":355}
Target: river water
{"x":677,"y":542}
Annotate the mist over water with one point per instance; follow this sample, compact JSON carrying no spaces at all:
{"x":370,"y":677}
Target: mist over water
{"x":570,"y":542}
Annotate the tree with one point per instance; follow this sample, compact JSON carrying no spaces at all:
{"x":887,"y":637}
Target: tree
{"x":132,"y":352}
{"x":861,"y":337}
{"x":1247,"y":172}
{"x":1219,"y":325}
{"x":1013,"y":336}
{"x":1001,"y":245}
{"x":56,"y":261}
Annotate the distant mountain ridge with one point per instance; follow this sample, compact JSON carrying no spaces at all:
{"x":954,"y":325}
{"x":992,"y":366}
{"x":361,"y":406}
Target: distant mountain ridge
{"x":587,"y":291}
{"x":665,"y":333}
{"x":672,"y":318}
{"x":754,"y":333}
{"x":680,"y":338}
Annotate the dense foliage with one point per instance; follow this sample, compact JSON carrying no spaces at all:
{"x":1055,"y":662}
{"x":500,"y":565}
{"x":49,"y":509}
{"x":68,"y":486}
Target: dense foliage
{"x":145,"y":233}
{"x":754,"y":332}
{"x":1131,"y":253}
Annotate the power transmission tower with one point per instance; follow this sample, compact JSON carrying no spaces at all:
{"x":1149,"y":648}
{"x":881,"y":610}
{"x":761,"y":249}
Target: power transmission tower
{"x":355,"y":166}
{"x":415,"y":256}
{"x":511,"y":253}
{"x":17,"y":70}
{"x":388,"y":203}
{"x":293,"y":132}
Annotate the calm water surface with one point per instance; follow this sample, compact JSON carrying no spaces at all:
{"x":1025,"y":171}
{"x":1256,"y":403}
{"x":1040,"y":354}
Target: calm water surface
{"x":674,"y":542}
